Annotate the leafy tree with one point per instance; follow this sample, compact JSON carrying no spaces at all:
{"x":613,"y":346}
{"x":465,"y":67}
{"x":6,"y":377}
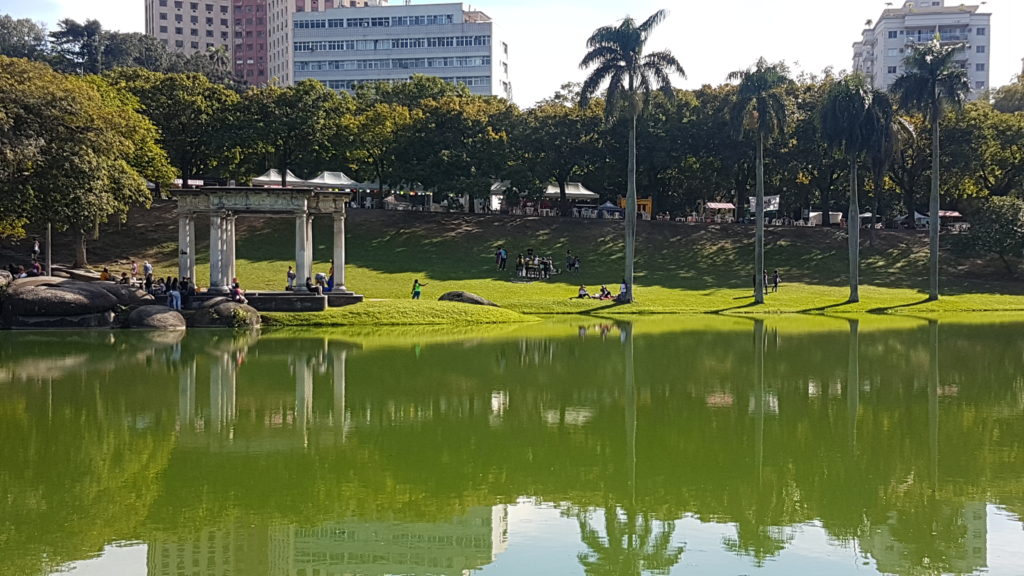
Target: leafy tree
{"x":288,"y":128}
{"x":997,"y":227}
{"x":984,"y":151}
{"x":214,"y":63}
{"x":133,"y":49}
{"x":844,"y":126}
{"x":192,"y":113}
{"x":617,"y":53}
{"x":77,"y":47}
{"x":373,"y":137}
{"x":1010,"y":98}
{"x":412,"y":94}
{"x":89,"y":152}
{"x":21,"y":38}
{"x":760,"y":107}
{"x":459,"y":144}
{"x":885,"y":132}
{"x":933,"y":81}
{"x":559,"y":142}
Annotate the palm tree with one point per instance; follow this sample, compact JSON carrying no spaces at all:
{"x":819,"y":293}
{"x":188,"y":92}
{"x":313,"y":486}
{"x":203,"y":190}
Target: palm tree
{"x":842,"y":119}
{"x":617,"y":53}
{"x":885,"y":132}
{"x":760,"y":106}
{"x":933,"y":82}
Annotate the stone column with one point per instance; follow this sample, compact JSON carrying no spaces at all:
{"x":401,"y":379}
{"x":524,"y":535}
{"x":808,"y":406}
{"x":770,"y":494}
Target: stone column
{"x":339,"y":252}
{"x":309,"y":244}
{"x":229,"y":249}
{"x":301,"y":249}
{"x":216,"y":253}
{"x":192,"y":248}
{"x":184,"y":244}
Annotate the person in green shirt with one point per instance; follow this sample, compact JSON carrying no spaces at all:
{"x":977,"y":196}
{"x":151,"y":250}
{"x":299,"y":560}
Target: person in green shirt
{"x":417,"y":288}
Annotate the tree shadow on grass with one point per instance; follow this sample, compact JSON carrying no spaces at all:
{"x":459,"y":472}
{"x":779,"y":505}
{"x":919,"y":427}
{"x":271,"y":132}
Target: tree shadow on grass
{"x":750,"y":304}
{"x":888,"y":309}
{"x":822,"y":308}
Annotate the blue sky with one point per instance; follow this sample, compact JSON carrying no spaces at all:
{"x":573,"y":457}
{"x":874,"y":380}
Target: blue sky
{"x":547,"y":37}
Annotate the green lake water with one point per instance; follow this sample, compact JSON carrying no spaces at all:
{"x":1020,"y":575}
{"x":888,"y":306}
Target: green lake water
{"x":703,"y":446}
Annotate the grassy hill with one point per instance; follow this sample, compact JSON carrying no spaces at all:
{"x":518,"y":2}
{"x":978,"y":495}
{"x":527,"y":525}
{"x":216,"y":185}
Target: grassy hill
{"x":680,"y":267}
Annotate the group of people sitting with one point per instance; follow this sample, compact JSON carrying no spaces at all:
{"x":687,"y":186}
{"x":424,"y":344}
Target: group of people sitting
{"x":318,"y":284}
{"x":603,"y":294}
{"x":34,"y":269}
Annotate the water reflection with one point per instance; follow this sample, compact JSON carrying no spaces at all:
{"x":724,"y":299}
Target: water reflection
{"x":238,"y":454}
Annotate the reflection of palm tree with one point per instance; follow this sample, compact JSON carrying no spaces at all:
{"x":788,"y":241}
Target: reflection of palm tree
{"x":853,"y":383}
{"x":635,"y":542}
{"x":933,"y":404}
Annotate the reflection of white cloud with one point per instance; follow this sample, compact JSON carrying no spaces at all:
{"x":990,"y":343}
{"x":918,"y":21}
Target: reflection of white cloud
{"x":115,"y":559}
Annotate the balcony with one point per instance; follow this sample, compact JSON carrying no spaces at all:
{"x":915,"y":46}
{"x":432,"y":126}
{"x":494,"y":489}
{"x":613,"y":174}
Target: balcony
{"x":944,"y":38}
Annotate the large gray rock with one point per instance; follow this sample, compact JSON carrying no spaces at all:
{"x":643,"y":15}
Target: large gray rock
{"x":127,"y":296}
{"x":44,"y":296}
{"x":224,"y":313}
{"x":5,"y":278}
{"x":466,"y":298}
{"x":154,"y":317}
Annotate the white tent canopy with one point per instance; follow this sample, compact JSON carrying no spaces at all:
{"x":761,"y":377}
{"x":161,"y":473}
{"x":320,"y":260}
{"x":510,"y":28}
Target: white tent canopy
{"x":272,"y":177}
{"x":573,"y":191}
{"x":814,"y":219}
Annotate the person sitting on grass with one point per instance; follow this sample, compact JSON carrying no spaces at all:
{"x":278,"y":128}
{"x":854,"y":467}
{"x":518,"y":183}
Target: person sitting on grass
{"x":313,"y":288}
{"x":583,"y":294}
{"x":623,"y":296}
{"x":605,"y":293}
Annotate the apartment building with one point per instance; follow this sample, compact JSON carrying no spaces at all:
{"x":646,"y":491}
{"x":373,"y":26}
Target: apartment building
{"x":883,"y":46}
{"x":189,"y":26}
{"x":343,"y":47}
{"x":249,"y":41}
{"x":279,"y":30}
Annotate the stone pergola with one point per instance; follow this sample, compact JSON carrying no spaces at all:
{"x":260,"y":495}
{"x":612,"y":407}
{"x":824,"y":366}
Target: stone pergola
{"x":224,"y":204}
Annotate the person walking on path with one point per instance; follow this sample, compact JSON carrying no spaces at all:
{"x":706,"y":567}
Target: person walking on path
{"x":417,"y":289}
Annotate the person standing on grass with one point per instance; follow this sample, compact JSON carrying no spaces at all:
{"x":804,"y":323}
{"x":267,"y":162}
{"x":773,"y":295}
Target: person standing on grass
{"x":417,"y":289}
{"x":35,"y":248}
{"x":135,"y":269}
{"x":147,"y":269}
{"x":502,"y":258}
{"x":775,"y":281}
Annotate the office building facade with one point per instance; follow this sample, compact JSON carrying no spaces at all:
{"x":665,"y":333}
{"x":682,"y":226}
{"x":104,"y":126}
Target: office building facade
{"x":880,"y":53}
{"x":343,"y":47}
{"x":190,"y":26}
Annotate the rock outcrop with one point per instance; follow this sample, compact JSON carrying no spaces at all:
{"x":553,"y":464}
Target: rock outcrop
{"x":466,"y":298}
{"x":224,"y":313}
{"x":47,"y":302}
{"x":127,"y":296}
{"x":153,"y":317}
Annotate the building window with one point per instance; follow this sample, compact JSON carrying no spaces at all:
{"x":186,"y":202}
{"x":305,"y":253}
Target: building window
{"x":163,"y":3}
{"x":980,"y":31}
{"x":163,"y":16}
{"x":209,"y":33}
{"x":178,"y":4}
{"x":979,"y":67}
{"x":224,"y":22}
{"x":980,"y":85}
{"x":163,"y":29}
{"x":178,"y":18}
{"x":980,"y":49}
{"x":209,"y":7}
{"x":892,"y":34}
{"x":892,"y":69}
{"x":193,"y":19}
{"x":179,"y":30}
{"x":179,"y":43}
{"x":195,"y":45}
{"x":194,"y":6}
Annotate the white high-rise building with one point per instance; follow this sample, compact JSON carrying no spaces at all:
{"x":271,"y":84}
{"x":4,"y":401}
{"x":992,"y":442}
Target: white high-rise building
{"x":880,"y":52}
{"x":343,"y":47}
{"x":280,"y":14}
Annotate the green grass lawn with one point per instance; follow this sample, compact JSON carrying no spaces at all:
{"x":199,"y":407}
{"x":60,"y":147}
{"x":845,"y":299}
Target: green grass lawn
{"x":681,"y":268}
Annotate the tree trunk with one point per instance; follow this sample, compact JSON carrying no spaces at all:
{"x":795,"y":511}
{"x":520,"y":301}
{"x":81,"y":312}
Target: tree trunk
{"x":80,"y":257}
{"x":853,"y":231}
{"x":933,"y":210}
{"x":879,"y":183}
{"x":759,"y":226}
{"x":563,"y":201}
{"x":631,"y":206}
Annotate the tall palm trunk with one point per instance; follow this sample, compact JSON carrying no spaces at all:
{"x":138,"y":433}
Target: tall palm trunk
{"x":853,"y":227}
{"x":631,"y":205}
{"x":933,"y":207}
{"x":759,"y":226}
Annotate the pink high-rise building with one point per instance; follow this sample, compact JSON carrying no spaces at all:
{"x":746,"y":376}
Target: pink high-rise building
{"x":249,"y":44}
